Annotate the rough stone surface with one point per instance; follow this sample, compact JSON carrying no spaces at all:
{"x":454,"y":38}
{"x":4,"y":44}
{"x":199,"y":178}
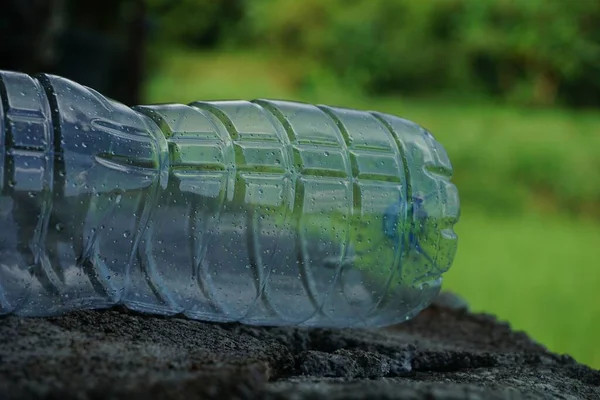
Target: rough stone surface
{"x":444,"y":353}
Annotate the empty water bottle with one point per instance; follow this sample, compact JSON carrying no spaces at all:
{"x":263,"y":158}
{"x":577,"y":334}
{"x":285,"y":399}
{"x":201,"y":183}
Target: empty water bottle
{"x":263,"y":212}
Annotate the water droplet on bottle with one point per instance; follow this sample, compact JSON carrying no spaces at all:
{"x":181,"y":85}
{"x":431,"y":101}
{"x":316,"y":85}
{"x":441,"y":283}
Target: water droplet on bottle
{"x":59,"y":227}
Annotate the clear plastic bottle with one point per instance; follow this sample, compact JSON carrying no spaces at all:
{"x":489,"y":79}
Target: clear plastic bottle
{"x":263,"y":212}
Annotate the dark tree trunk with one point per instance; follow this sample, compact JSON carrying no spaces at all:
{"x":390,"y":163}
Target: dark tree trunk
{"x":100,"y":44}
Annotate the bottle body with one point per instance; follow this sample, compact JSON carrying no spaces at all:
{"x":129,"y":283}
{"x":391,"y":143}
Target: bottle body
{"x":262,"y":212}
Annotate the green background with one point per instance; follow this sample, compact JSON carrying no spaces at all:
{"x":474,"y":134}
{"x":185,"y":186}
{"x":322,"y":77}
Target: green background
{"x":510,"y":88}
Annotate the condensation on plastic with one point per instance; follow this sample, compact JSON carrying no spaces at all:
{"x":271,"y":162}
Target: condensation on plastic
{"x":263,"y":212}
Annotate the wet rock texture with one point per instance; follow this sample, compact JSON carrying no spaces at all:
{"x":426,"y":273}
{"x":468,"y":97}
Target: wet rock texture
{"x":444,"y":353}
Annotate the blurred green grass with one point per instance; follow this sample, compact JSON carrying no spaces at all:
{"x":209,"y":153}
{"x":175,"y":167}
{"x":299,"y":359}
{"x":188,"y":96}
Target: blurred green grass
{"x":529,"y":182}
{"x":540,"y":273}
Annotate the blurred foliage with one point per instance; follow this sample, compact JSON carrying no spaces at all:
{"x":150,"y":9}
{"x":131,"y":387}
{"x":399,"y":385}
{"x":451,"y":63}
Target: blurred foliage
{"x":535,"y":52}
{"x":201,"y":23}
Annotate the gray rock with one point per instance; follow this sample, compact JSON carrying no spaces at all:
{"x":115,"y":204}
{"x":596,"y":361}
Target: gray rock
{"x":451,"y":300}
{"x":444,"y":353}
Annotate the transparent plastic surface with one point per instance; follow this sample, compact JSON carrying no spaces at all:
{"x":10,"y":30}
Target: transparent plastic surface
{"x":263,"y":212}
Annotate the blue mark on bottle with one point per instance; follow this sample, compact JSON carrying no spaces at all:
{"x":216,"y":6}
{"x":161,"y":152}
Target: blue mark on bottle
{"x":417,"y":227}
